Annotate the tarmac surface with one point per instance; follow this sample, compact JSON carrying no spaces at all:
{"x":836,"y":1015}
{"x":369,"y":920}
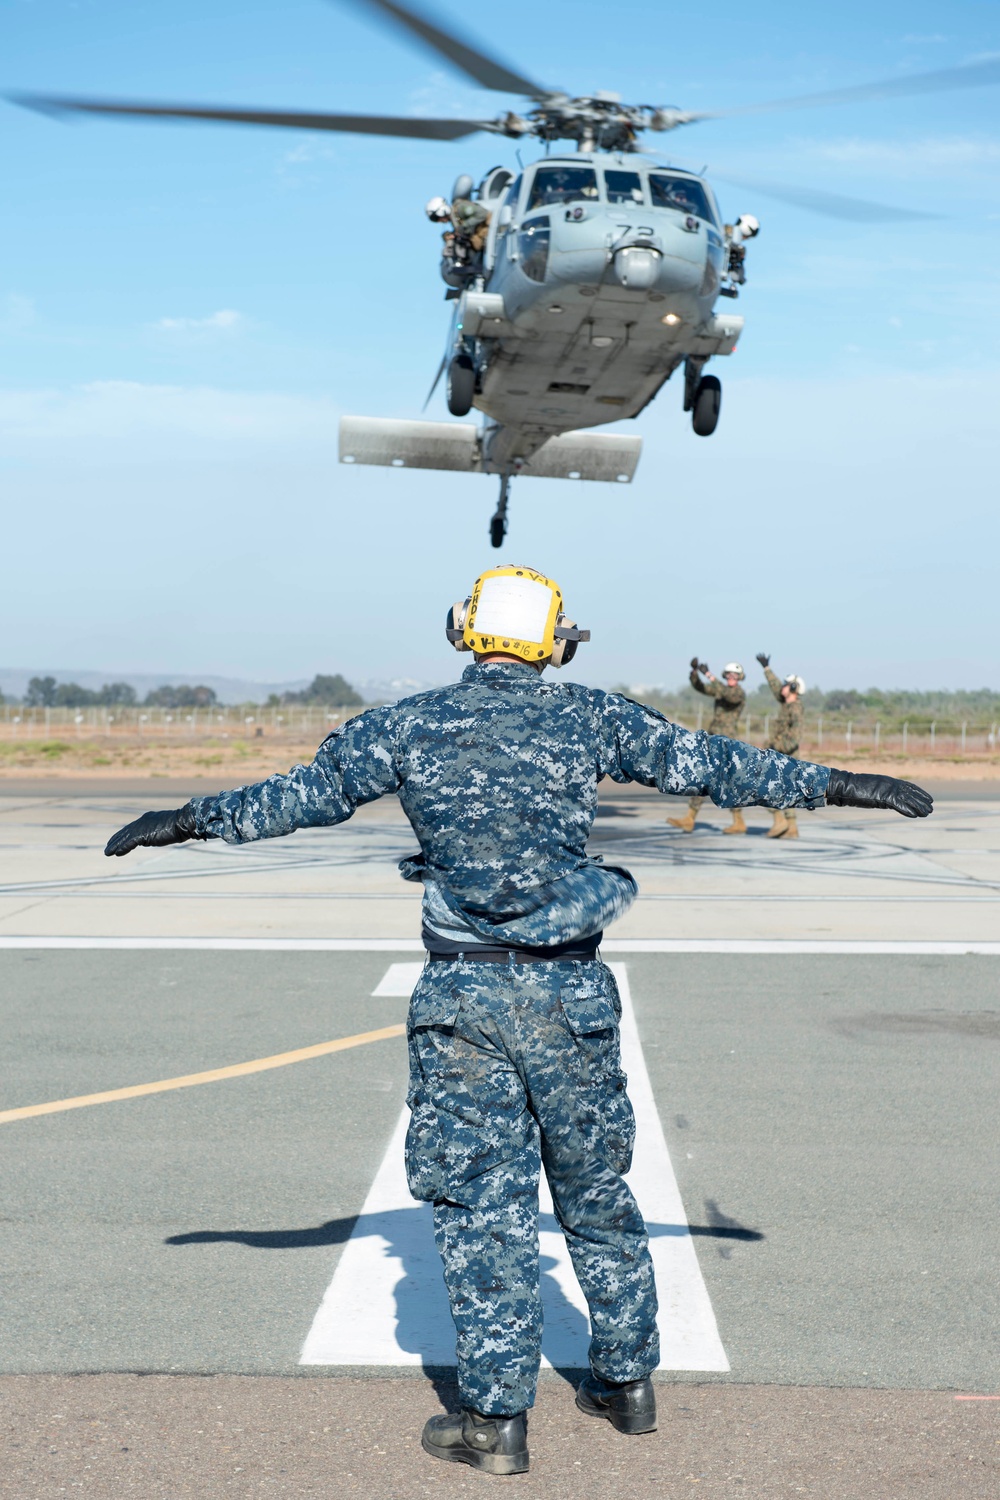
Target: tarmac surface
{"x":830,"y":1117}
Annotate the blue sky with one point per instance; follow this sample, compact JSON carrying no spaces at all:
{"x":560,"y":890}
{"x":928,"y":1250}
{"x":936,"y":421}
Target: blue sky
{"x":185,"y":312}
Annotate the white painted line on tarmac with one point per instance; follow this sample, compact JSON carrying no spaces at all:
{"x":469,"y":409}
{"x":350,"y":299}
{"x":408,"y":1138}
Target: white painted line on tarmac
{"x":791,"y":945}
{"x":224,"y":944}
{"x":398,"y":979}
{"x":386,"y":1303}
{"x":414,"y":945}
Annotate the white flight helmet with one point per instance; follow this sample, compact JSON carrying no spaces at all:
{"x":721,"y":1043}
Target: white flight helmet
{"x":748,"y":226}
{"x":437,"y":210}
{"x":735,"y":668}
{"x":517,"y":611}
{"x":795,"y":683}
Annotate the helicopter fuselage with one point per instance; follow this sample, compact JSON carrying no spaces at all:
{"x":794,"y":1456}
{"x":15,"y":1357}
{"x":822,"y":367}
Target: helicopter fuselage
{"x":599,"y":279}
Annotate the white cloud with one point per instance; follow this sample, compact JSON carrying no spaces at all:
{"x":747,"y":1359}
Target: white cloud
{"x":310,"y":149}
{"x":223,"y":321}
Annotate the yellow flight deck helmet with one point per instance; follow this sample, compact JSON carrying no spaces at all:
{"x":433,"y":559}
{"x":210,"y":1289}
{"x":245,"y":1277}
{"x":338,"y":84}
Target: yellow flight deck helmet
{"x":519,"y":612}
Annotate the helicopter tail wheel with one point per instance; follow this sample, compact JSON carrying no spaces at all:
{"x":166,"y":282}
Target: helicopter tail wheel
{"x":707,"y":401}
{"x":498,"y":521}
{"x":461,"y":385}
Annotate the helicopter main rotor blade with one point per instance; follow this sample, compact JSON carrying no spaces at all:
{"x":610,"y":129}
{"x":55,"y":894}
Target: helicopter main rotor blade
{"x":815,"y":200}
{"x":969,"y":76}
{"x":832,"y":205}
{"x":434,"y":384}
{"x":478,"y":65}
{"x":427,"y":130}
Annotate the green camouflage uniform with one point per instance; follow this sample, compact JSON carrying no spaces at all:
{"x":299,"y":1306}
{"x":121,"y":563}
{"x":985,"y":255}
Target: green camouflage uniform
{"x":786,"y":727}
{"x":725,"y":719}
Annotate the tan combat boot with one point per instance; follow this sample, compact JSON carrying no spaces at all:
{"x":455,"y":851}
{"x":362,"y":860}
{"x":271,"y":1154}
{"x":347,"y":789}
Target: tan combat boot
{"x":737,"y":825}
{"x":792,"y":831}
{"x":779,"y":827}
{"x":685,"y":824}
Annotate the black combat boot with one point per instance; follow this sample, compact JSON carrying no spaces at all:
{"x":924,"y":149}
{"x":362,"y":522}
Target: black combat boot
{"x":497,"y":1444}
{"x":629,"y":1405}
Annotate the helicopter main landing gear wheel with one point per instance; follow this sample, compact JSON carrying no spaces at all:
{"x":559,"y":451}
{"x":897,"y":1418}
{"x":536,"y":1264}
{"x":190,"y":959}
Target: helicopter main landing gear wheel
{"x":706,"y":404}
{"x":461,"y":385}
{"x":498,"y":521}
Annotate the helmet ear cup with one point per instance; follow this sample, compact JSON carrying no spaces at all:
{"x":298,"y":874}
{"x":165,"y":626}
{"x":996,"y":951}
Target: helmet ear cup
{"x":563,"y":652}
{"x":455,"y":624}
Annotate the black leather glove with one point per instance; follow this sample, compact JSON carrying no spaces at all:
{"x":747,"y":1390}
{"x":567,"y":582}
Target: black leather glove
{"x":694,"y":664}
{"x":765,"y":661}
{"x":155,"y":829}
{"x":859,"y":789}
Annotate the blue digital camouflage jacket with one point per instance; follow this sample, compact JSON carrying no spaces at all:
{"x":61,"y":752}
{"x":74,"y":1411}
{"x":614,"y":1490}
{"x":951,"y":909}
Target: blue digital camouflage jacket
{"x":498,"y":776}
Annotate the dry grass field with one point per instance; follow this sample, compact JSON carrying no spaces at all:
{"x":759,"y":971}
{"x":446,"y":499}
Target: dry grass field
{"x":237,"y":758}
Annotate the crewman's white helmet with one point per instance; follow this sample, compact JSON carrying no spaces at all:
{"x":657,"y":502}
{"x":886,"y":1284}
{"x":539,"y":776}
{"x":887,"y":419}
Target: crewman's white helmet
{"x":795,"y":683}
{"x":437,"y":210}
{"x":748,"y":226}
{"x":517,"y":611}
{"x":735,"y":668}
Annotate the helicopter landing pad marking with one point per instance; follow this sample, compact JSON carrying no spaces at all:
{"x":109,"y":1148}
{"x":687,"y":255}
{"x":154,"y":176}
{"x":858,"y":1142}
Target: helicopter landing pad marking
{"x":386,"y":1303}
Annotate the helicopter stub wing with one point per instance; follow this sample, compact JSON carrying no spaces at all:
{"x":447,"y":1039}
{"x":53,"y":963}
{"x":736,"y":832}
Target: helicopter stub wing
{"x":457,"y":446}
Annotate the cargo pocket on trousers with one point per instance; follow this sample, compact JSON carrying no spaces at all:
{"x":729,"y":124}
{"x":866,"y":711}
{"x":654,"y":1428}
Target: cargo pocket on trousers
{"x":434,"y":1007}
{"x":591,"y":1013}
{"x":424,"y":1152}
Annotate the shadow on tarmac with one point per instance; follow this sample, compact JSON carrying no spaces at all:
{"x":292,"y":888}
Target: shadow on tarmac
{"x":339,"y":1231}
{"x":418,"y":1307}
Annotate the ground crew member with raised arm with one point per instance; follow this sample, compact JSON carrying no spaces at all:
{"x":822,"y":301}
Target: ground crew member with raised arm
{"x":513,"y":1025}
{"x":729,"y":700}
{"x":786,"y":731}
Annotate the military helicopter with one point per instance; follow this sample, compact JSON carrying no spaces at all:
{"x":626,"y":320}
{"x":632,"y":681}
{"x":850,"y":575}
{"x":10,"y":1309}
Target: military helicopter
{"x":580,"y":283}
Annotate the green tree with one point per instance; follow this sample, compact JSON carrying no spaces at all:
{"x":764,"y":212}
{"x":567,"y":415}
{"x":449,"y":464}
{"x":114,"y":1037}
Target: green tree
{"x":333,"y":692}
{"x":72,"y":695}
{"x":180,"y":696}
{"x":41,"y":692}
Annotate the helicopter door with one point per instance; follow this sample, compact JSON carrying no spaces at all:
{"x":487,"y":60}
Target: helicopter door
{"x":503,"y":209}
{"x":494,"y":185}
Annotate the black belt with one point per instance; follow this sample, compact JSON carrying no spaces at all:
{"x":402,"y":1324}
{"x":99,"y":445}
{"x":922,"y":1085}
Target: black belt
{"x":477,"y":955}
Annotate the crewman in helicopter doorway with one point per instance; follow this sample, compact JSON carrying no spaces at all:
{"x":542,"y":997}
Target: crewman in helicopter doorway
{"x":513,"y":1026}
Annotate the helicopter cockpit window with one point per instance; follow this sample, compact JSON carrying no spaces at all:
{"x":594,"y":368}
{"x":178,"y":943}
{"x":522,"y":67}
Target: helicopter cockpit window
{"x":685,"y":194}
{"x":533,"y":248}
{"x":562,"y":185}
{"x":624,"y":187}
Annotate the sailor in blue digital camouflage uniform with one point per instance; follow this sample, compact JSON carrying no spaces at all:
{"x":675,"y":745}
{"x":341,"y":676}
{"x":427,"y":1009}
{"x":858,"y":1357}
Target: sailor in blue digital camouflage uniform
{"x":513,"y":1026}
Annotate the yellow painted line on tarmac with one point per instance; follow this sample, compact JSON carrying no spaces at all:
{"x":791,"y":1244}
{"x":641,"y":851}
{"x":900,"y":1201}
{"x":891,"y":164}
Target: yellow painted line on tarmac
{"x":213,"y":1075}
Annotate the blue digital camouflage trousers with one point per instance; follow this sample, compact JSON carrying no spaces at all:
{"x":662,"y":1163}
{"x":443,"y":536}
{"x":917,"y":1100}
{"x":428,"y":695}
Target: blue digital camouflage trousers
{"x":513,"y":1068}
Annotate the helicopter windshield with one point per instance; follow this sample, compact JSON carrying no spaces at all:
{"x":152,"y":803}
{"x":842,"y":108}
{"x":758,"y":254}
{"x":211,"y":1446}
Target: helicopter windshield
{"x":624,"y":187}
{"x":562,"y":185}
{"x":685,"y":194}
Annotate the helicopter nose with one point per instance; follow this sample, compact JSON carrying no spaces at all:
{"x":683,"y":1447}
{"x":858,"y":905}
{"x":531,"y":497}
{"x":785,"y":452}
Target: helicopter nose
{"x":674,"y":263}
{"x":685,"y":250}
{"x":638,"y":267}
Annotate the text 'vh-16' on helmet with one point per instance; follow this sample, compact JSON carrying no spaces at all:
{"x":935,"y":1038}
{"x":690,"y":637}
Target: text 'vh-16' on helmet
{"x":735,"y":669}
{"x":517,"y":612}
